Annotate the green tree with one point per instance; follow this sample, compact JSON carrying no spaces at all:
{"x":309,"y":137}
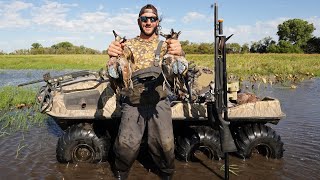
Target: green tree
{"x":66,"y":45}
{"x":312,"y":46}
{"x":262,"y":45}
{"x":245,"y":48}
{"x":254,"y":47}
{"x":273,"y":48}
{"x":295,"y":31}
{"x":205,"y":48}
{"x":287,"y":47}
{"x":36,"y":48}
{"x":266,"y":43}
{"x":184,"y":43}
{"x":36,"y":45}
{"x":233,"y":48}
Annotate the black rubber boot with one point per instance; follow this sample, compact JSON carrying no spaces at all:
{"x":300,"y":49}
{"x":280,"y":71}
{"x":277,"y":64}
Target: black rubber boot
{"x":119,"y":175}
{"x":166,"y":176}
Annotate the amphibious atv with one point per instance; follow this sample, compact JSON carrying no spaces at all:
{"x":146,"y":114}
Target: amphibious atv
{"x":212,"y":119}
{"x":85,"y":106}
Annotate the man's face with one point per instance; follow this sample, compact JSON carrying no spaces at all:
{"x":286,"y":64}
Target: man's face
{"x":148,"y":23}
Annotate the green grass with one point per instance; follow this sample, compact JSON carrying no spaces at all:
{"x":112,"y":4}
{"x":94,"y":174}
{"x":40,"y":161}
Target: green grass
{"x":265,"y":64}
{"x":12,"y":96}
{"x":238,"y":64}
{"x":19,"y":120}
{"x":54,"y":62}
{"x":13,"y":119}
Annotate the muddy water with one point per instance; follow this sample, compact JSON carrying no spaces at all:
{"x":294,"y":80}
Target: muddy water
{"x":31,"y":154}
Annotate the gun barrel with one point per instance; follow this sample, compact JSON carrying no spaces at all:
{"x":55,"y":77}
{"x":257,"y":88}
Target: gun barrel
{"x":47,"y":78}
{"x":31,"y":82}
{"x":220,"y":89}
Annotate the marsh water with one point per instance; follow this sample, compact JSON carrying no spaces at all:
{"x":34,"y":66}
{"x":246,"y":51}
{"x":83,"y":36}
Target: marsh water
{"x":31,"y":154}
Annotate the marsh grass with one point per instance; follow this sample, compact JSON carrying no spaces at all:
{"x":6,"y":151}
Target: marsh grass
{"x":12,"y":96}
{"x":20,"y":120}
{"x":242,"y":65}
{"x":13,"y":119}
{"x":284,"y":69}
{"x":54,"y":62}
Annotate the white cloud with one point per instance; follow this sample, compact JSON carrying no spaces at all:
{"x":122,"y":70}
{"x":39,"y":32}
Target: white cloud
{"x":94,"y":26}
{"x":11,"y":14}
{"x":191,"y":16}
{"x":316,"y":23}
{"x":55,"y":15}
{"x":52,"y":14}
{"x":242,"y":33}
{"x":249,"y":33}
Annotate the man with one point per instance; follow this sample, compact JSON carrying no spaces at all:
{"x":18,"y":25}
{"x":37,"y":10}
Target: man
{"x":147,"y":108}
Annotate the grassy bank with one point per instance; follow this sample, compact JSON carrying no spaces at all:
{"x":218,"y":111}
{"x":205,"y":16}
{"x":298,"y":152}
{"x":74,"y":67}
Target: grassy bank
{"x":238,"y":64}
{"x":266,"y":64}
{"x":54,"y":62}
{"x":18,"y":109}
{"x":15,"y":97}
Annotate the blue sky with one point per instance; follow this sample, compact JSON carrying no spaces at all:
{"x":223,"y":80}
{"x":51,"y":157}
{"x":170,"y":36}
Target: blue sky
{"x":90,"y":23}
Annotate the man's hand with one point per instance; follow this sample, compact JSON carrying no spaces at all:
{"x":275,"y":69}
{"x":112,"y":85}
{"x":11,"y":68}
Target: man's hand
{"x":174,"y":47}
{"x":115,"y":49}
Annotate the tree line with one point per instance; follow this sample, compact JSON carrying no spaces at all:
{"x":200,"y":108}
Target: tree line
{"x":59,"y":48}
{"x":295,"y":36}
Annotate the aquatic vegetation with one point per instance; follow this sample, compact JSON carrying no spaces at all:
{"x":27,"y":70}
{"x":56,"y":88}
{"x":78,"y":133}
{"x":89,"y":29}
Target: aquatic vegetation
{"x":20,"y":120}
{"x":20,"y":146}
{"x":233,"y":168}
{"x":12,"y":96}
{"x":18,"y":109}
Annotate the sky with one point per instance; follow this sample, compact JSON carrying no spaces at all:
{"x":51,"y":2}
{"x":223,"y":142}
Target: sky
{"x":90,"y":22}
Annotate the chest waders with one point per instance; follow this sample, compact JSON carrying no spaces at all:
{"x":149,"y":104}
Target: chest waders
{"x":148,"y":83}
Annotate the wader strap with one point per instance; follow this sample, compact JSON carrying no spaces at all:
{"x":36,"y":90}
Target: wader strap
{"x":157,"y":54}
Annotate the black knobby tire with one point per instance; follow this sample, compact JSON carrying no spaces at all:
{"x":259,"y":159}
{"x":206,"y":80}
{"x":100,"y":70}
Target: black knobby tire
{"x":79,"y":143}
{"x":258,"y":138}
{"x":203,"y":139}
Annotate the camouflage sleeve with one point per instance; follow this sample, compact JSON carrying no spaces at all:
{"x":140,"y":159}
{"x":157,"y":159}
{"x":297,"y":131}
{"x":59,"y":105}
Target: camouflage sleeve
{"x":164,"y":49}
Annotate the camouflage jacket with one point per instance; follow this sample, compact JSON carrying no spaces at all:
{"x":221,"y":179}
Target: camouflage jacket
{"x":141,"y":53}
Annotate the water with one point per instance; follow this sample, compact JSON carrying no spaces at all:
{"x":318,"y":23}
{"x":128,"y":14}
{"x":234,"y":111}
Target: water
{"x":15,"y":77}
{"x":31,"y":154}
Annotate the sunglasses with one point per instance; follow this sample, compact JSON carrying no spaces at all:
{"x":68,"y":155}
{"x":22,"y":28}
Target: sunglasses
{"x":145,"y":19}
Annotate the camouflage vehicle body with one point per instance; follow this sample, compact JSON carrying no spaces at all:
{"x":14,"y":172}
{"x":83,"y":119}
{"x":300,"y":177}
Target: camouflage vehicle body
{"x":88,"y":110}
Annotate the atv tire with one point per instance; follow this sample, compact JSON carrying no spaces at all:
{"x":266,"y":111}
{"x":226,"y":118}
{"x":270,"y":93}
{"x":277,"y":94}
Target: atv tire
{"x":79,"y":143}
{"x":258,"y":138}
{"x":203,"y":139}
